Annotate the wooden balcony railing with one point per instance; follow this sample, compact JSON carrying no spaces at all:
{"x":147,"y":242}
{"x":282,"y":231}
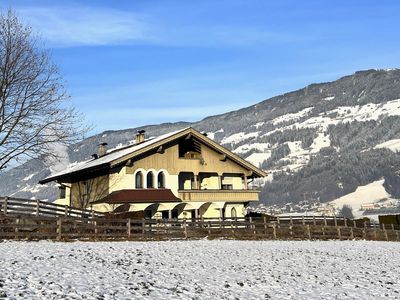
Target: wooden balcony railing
{"x":219,"y":195}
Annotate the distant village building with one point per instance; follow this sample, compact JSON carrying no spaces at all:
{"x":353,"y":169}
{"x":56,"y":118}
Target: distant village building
{"x":176,"y":175}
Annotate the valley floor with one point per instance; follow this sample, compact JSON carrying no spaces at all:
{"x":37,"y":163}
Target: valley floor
{"x":217,"y":269}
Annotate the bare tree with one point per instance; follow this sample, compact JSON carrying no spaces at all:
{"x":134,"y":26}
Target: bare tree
{"x":34,"y":111}
{"x":347,"y":212}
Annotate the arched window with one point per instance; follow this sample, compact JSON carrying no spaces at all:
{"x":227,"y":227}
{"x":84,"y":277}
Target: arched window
{"x":161,"y":180}
{"x":233,"y":212}
{"x":139,"y":180}
{"x":150,"y":180}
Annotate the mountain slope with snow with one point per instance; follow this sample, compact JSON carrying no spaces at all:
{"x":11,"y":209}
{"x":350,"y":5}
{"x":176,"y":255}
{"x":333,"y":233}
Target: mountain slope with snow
{"x":322,"y":141}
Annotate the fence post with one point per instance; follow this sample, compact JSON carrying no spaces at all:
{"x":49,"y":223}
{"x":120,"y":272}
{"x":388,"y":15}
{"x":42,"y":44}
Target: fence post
{"x":209,"y":228}
{"x":351,"y":233}
{"x":302,"y":219}
{"x":274,"y":230}
{"x":5,"y":205}
{"x":385,"y":232}
{"x":265,"y":226}
{"x":95,"y":228}
{"x":315,"y":222}
{"x":59,"y":228}
{"x":16,"y":229}
{"x":166,"y":228}
{"x":143,"y":227}
{"x":308,"y":231}
{"x":66,"y":210}
{"x":185,"y":229}
{"x":37,"y":208}
{"x":345,"y":221}
{"x":325,"y":223}
{"x":128,"y":225}
{"x":375,"y":233}
{"x":339,"y":233}
{"x":278,"y":220}
{"x":365,"y":230}
{"x":335,"y":221}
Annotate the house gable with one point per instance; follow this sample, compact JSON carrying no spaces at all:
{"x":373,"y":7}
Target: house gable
{"x":222,"y":154}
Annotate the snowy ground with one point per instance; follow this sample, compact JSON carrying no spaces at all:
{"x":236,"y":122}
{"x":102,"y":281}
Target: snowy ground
{"x":200,"y":270}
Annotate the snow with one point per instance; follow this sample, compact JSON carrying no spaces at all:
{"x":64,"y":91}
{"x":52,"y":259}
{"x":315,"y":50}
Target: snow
{"x":29,"y":177}
{"x":257,"y":146}
{"x":345,"y":114}
{"x":218,"y":269}
{"x":329,"y":98}
{"x":238,"y":137}
{"x":319,"y":142}
{"x":365,"y":194}
{"x":258,"y":158}
{"x":293,"y":116}
{"x":211,"y":135}
{"x":367,"y":112}
{"x":393,"y":145}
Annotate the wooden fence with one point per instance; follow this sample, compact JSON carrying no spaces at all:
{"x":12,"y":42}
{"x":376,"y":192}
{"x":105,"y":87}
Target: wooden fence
{"x":18,"y":206}
{"x":35,"y":219}
{"x":33,"y":227}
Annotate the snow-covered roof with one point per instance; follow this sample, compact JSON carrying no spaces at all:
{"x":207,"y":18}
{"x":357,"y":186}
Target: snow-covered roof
{"x":110,"y":156}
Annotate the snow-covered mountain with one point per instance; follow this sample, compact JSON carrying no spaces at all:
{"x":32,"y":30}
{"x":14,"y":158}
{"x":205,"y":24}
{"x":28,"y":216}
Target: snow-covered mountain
{"x":323,"y":141}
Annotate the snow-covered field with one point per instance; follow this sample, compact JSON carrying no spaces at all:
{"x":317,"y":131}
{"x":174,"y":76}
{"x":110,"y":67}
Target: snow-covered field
{"x":218,"y":269}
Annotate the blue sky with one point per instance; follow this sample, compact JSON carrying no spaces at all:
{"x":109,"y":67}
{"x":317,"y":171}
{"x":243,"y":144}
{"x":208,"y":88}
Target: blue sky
{"x":132,"y":63}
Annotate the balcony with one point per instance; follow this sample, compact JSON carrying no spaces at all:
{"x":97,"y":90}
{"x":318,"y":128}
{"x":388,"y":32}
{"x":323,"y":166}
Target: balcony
{"x":219,"y":195}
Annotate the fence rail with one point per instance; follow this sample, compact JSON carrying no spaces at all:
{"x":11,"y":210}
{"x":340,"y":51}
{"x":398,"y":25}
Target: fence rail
{"x":66,"y":228}
{"x":35,"y":219}
{"x":19,"y":206}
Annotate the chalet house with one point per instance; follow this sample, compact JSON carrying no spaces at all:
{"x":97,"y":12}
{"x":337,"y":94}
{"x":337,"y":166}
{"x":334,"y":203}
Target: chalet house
{"x":181,"y":174}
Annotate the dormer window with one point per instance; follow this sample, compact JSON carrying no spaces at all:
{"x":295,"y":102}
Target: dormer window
{"x":62,"y":192}
{"x":189,"y":148}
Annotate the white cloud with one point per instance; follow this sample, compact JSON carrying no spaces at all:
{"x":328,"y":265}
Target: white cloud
{"x":81,"y":25}
{"x":90,"y":25}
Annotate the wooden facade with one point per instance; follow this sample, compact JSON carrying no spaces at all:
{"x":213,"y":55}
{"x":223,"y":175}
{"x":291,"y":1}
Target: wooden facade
{"x":209,"y":180}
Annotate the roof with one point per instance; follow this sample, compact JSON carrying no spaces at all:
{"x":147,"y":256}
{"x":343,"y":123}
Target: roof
{"x":119,"y":156}
{"x":139,"y":196}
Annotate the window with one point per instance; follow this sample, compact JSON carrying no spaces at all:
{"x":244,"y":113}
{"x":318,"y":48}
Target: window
{"x":139,"y":180}
{"x":161,"y":180}
{"x":150,"y":180}
{"x":233,"y":212}
{"x":227,"y":187}
{"x":189,"y":148}
{"x":86,"y":188}
{"x":62,"y":192}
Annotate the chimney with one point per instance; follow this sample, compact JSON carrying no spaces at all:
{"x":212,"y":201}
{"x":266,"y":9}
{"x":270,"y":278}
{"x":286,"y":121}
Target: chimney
{"x":140,"y":136}
{"x":102,"y":150}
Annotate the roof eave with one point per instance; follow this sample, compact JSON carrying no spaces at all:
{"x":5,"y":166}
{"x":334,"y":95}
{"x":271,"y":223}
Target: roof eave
{"x":84,"y":171}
